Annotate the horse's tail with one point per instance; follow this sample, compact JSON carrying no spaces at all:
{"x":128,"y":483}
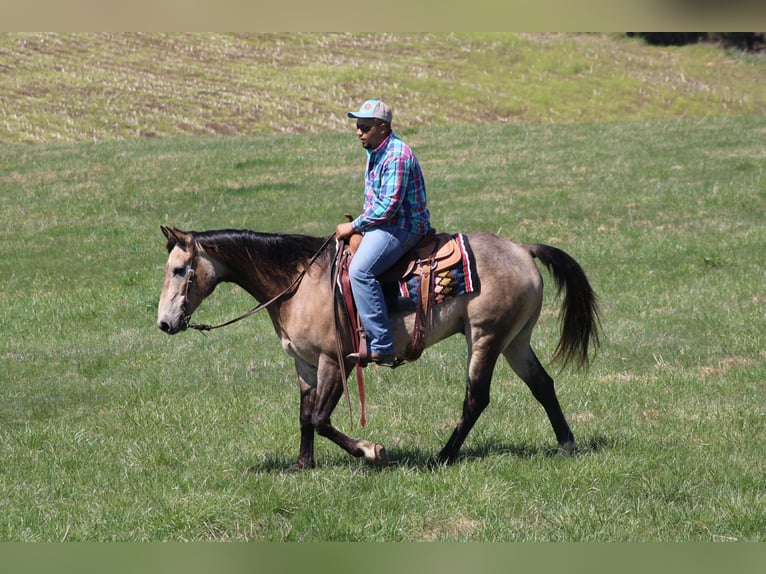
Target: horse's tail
{"x":580,"y":323}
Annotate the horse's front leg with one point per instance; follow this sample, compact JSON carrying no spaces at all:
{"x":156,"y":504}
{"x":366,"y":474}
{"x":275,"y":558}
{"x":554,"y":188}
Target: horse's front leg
{"x":329,"y":391}
{"x":306,"y":454}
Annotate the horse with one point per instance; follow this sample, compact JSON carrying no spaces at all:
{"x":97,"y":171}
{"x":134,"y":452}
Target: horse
{"x":290,"y":275}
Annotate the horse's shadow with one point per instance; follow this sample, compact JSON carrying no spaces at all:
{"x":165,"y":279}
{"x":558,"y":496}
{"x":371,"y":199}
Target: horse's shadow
{"x":415,"y":458}
{"x":418,"y":459}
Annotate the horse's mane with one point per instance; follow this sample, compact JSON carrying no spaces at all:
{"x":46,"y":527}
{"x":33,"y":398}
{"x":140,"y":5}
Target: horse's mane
{"x":281,"y":253}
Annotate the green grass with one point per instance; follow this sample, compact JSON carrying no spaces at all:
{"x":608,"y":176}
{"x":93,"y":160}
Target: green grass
{"x":111,"y":430}
{"x":643,"y":163}
{"x":94,"y":87}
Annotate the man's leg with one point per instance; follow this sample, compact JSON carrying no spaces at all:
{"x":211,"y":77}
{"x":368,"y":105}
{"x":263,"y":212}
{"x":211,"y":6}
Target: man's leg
{"x":380,"y":249}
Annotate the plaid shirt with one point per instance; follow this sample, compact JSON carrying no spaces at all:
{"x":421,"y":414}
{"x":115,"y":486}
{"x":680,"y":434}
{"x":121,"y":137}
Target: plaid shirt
{"x":394,"y":188}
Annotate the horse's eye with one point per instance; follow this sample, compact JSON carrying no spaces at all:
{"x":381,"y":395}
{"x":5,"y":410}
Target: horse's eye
{"x":179,"y":271}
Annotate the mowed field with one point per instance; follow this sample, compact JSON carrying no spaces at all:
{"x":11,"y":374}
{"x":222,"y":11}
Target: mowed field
{"x":112,"y":430}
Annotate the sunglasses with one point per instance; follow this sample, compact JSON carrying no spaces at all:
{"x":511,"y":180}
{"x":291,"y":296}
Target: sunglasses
{"x":364,"y":128}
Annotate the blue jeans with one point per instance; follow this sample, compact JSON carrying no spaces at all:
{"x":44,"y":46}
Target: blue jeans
{"x":380,"y":249}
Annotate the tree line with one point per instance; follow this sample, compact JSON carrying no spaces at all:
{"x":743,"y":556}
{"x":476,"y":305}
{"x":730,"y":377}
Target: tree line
{"x":749,"y":41}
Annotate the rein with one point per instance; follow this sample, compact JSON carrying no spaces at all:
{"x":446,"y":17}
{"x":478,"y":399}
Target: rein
{"x":202,"y":327}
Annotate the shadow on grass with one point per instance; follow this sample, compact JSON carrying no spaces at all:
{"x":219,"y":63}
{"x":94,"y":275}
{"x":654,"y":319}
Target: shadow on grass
{"x":416,"y":458}
{"x":413,"y":457}
{"x":271,"y":463}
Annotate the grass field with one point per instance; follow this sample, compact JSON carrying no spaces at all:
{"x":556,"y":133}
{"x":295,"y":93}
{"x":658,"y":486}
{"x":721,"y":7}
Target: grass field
{"x":96,"y":87}
{"x":111,"y":430}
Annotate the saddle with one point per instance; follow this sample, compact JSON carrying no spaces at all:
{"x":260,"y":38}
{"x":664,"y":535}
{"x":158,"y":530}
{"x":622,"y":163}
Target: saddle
{"x":436,"y":251}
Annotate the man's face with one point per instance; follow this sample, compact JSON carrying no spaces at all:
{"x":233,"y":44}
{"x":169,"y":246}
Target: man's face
{"x":371,"y":132}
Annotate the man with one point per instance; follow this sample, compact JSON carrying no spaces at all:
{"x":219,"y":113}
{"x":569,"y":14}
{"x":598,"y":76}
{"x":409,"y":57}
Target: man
{"x":393,"y":221}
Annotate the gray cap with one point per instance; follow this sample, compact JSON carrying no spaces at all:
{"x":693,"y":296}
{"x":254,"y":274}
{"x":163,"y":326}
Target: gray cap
{"x":373,"y":109}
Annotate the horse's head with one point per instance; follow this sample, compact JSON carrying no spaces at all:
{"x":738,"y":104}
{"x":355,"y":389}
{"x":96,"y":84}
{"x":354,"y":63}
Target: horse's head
{"x":189,"y":278}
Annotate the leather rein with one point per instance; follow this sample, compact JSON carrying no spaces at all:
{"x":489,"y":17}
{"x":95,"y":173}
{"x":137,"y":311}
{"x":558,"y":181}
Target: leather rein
{"x":191,"y":272}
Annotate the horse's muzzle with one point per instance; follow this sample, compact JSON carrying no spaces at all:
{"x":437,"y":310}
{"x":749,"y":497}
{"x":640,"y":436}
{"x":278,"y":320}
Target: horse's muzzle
{"x":173,"y":329}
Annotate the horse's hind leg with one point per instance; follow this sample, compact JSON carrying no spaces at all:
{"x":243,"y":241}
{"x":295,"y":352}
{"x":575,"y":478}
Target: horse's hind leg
{"x":481,"y":363}
{"x":525,"y":364}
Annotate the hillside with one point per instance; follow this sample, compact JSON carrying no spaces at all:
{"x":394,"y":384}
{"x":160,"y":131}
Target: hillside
{"x":86,"y":87}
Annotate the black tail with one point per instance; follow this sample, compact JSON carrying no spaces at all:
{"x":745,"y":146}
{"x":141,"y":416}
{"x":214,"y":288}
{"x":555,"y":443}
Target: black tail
{"x":580,"y":323}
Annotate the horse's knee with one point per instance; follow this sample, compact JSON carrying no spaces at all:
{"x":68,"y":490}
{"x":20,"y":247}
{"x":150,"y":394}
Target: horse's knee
{"x":305,"y":422}
{"x":322,"y":425}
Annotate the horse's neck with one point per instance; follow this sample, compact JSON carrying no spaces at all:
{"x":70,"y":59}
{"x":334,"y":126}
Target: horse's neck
{"x":251,"y":268}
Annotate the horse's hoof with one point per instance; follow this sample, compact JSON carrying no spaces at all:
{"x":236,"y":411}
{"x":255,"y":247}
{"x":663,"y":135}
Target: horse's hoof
{"x":381,"y":455}
{"x":299,"y":466}
{"x":568,"y":448}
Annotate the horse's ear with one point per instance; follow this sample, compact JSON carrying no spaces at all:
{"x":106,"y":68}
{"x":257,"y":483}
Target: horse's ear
{"x":175,"y":237}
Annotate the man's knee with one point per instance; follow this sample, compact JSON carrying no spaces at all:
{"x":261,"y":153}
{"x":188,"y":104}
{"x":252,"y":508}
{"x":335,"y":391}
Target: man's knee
{"x":360,"y":273}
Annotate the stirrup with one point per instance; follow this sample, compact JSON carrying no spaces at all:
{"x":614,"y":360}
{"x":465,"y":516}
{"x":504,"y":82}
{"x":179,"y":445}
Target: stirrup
{"x":380,"y":360}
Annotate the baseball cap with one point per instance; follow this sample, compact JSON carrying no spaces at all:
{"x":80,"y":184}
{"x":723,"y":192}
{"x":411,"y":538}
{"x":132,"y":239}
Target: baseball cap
{"x":373,"y":109}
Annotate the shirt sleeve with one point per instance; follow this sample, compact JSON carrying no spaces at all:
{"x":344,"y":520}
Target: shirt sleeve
{"x":386,"y":199}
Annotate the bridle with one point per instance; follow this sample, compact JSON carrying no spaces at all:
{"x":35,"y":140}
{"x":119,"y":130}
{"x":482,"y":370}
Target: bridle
{"x":191,"y":273}
{"x":188,"y":278}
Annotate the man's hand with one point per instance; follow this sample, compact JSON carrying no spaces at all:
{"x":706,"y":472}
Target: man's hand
{"x":344,"y":231}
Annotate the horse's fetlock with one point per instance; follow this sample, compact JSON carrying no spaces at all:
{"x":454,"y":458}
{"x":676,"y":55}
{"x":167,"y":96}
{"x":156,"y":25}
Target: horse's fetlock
{"x":301,"y":465}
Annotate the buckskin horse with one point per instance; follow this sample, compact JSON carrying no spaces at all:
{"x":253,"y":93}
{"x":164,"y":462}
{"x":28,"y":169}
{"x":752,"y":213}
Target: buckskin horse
{"x":290,"y":275}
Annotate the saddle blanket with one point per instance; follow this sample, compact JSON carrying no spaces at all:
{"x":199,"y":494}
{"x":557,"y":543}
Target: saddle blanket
{"x":459,"y":279}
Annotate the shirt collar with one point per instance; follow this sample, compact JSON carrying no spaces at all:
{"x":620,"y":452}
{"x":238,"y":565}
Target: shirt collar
{"x":382,"y":145}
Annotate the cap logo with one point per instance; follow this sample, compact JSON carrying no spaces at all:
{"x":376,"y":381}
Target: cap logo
{"x":367,"y":106}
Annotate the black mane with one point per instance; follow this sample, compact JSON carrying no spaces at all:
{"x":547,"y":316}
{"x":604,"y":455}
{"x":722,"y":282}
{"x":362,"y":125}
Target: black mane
{"x":281,"y":253}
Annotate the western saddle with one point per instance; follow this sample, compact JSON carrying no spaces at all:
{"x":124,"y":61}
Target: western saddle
{"x":435,"y":252}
